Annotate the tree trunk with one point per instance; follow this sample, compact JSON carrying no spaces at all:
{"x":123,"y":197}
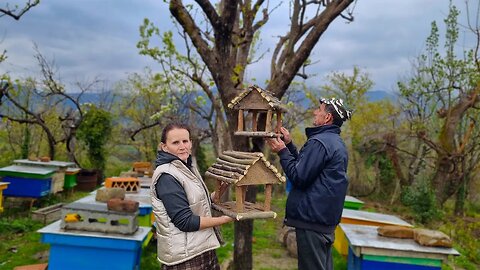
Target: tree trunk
{"x":460,"y":200}
{"x":26,"y":142}
{"x":242,"y":255}
{"x":449,"y":173}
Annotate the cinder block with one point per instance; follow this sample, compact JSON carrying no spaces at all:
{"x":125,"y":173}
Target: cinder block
{"x":97,"y":218}
{"x":130,"y":184}
{"x":143,"y":168}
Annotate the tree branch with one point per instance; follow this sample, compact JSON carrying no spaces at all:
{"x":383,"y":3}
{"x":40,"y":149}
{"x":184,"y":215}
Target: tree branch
{"x":178,"y":10}
{"x":13,"y":12}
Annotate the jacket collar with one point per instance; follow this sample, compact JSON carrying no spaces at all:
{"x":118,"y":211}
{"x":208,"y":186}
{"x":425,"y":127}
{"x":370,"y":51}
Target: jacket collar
{"x":164,"y":157}
{"x":310,"y":131}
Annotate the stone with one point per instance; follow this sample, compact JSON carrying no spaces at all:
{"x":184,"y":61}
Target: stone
{"x":119,"y":205}
{"x":103,"y":195}
{"x":432,"y":238}
{"x":291,"y":243}
{"x":45,"y":159}
{"x":395,"y":231}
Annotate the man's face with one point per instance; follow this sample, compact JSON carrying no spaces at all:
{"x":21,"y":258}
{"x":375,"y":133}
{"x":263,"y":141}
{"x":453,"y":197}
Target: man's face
{"x":320,"y":116}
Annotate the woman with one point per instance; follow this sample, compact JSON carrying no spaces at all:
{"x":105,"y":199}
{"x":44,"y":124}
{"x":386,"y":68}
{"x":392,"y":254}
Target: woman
{"x":186,"y":233}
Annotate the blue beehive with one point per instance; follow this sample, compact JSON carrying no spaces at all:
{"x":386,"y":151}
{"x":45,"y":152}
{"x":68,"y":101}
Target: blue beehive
{"x":91,"y":250}
{"x":25,"y":181}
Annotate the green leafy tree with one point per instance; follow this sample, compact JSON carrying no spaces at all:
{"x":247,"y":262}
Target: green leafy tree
{"x":145,"y":106}
{"x":440,"y":101}
{"x":95,"y":131}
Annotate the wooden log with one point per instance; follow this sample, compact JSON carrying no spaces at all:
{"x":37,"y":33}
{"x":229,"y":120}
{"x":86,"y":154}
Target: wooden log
{"x":223,"y":187}
{"x":220,"y":178}
{"x":224,"y":162}
{"x":239,"y":198}
{"x":237,"y":160}
{"x":279,"y":122}
{"x":216,"y":197}
{"x":228,"y":168}
{"x":268,"y":134}
{"x":268,"y":197}
{"x":256,"y":215}
{"x":237,"y":154}
{"x":225,"y":173}
{"x":244,"y":215}
{"x":254,"y":120}
{"x":240,"y":120}
{"x":268,"y":124}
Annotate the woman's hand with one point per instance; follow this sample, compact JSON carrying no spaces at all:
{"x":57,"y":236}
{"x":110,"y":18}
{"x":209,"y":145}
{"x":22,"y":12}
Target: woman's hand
{"x":208,"y":222}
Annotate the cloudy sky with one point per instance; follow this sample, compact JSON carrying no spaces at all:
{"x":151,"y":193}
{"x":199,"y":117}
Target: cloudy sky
{"x":97,"y":38}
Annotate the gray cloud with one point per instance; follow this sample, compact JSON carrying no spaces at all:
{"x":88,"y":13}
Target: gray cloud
{"x":98,"y":38}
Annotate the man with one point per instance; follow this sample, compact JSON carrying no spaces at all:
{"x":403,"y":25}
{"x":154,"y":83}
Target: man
{"x":319,"y":183}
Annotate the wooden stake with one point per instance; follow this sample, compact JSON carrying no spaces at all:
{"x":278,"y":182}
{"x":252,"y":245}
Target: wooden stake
{"x":268,"y":124}
{"x":254,"y":120}
{"x":279,"y":121}
{"x":239,"y":198}
{"x":240,"y":120}
{"x":268,"y":197}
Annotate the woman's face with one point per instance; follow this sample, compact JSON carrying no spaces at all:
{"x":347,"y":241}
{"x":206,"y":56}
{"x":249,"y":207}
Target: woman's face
{"x":178,"y":143}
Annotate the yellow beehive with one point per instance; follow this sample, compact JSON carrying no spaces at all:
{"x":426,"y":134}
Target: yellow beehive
{"x":3,"y":185}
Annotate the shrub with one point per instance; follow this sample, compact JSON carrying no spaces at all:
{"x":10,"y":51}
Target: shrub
{"x":421,"y":199}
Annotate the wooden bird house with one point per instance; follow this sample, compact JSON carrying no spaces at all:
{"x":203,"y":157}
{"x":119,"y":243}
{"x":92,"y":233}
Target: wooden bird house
{"x":243,"y":169}
{"x":254,"y":101}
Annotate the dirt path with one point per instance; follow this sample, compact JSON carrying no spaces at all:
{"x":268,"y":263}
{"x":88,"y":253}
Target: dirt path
{"x":274,"y":259}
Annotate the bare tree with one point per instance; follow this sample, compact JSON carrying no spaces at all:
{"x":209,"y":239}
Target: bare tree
{"x":31,"y":102}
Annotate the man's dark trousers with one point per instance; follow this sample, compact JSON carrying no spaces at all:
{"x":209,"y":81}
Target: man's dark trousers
{"x":314,"y":250}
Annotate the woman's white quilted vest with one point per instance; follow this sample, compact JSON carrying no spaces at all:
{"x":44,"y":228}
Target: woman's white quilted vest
{"x":173,"y":245}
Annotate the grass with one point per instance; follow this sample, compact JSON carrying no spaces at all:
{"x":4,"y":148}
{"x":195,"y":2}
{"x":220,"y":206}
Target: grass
{"x":14,"y":236}
{"x":20,"y":243}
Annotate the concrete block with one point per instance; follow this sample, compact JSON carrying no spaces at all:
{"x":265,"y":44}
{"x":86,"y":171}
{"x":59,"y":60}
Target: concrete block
{"x":97,"y":218}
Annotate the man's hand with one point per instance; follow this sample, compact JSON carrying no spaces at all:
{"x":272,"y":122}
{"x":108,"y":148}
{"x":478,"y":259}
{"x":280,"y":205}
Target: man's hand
{"x":286,"y":135}
{"x":276,"y":144}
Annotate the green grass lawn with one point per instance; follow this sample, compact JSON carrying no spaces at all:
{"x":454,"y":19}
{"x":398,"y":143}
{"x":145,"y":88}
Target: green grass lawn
{"x":268,"y":252}
{"x":20,"y":243}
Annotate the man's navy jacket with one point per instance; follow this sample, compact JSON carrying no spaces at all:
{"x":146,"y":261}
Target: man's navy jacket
{"x":319,"y":180}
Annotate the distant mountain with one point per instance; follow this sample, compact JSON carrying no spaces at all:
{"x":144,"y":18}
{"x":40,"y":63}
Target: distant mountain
{"x":378,"y":95}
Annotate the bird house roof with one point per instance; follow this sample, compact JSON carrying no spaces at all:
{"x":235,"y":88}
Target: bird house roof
{"x":244,"y":168}
{"x":255,"y":98}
